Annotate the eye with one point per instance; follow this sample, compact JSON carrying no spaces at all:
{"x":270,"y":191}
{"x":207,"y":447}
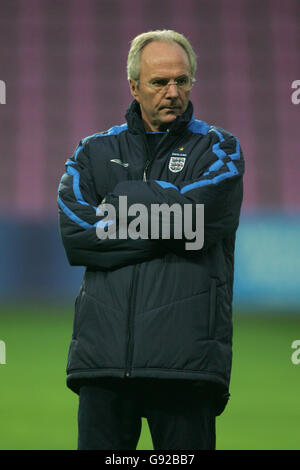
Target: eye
{"x":182,"y":81}
{"x":159,"y":82}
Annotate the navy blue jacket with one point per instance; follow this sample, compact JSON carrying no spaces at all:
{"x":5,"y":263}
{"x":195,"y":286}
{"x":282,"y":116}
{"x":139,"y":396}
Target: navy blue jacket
{"x":151,"y":308}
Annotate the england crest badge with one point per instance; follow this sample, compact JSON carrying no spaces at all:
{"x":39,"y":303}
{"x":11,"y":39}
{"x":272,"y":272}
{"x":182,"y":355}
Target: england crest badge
{"x":176,"y":163}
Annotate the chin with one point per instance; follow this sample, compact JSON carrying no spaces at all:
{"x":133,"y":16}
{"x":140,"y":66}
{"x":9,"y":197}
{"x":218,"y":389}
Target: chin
{"x":170,"y":115}
{"x":169,"y":118}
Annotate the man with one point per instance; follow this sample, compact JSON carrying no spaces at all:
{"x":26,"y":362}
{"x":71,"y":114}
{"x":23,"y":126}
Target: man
{"x":152,"y":330}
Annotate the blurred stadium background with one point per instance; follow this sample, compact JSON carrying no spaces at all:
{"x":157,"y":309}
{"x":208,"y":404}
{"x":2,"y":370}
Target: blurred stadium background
{"x":64,"y":66}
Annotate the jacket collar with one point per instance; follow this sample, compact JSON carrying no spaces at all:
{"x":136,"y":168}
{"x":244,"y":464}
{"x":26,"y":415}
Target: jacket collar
{"x":136,"y":125}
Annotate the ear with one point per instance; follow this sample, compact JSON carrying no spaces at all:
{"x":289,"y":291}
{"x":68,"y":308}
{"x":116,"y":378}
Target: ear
{"x":134,"y":89}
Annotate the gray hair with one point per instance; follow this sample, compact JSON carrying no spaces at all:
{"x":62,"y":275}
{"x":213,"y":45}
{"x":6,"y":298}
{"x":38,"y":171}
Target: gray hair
{"x":165,"y":35}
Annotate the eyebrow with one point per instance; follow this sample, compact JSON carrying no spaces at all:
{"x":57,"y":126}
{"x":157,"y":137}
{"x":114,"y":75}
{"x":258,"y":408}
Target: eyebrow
{"x":168,"y":78}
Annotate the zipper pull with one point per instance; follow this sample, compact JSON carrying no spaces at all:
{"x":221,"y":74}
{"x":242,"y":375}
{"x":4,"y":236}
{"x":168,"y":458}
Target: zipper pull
{"x":145,"y":169}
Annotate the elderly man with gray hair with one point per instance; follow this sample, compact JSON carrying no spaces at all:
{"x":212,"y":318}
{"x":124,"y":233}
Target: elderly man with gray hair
{"x":152,"y":333}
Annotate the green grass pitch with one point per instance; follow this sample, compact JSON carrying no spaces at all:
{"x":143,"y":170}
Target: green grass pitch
{"x":38,"y":412}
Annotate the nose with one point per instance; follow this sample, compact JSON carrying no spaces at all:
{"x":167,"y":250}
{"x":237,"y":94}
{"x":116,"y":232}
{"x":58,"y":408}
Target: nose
{"x":172,"y":90}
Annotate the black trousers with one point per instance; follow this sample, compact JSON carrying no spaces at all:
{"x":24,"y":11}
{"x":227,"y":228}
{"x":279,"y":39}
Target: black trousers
{"x":180,"y":415}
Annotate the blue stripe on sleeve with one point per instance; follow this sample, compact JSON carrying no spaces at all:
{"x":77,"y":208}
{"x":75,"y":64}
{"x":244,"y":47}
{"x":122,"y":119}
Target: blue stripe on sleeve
{"x":85,"y":225}
{"x":198,"y":127}
{"x":233,"y":169}
{"x":199,"y":184}
{"x":237,"y":154}
{"x":216,"y":166}
{"x":212,"y":129}
{"x":165,"y":184}
{"x":73,"y":172}
{"x":76,"y":189}
{"x":217,"y":151}
{"x":115,"y":130}
{"x":73,"y":216}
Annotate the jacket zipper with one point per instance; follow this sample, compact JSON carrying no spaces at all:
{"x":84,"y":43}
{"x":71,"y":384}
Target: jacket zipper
{"x":148,"y":161}
{"x":129,"y":350}
{"x":145,"y":170}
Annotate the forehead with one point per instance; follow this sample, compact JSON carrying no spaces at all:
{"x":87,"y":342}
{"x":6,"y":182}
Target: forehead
{"x":164,"y":58}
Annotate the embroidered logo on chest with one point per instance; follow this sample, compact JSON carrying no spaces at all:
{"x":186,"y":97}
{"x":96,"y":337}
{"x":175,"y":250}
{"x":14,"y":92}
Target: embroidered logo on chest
{"x":177,"y":161}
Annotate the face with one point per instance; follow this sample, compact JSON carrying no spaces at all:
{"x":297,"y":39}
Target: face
{"x":161,"y":60}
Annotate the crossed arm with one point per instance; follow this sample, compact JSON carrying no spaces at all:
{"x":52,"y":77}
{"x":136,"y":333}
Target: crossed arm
{"x":219,"y":188}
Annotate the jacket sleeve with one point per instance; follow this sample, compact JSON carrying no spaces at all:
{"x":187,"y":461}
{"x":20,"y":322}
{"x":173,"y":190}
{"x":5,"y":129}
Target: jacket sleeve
{"x":218,"y":187}
{"x":79,"y":217}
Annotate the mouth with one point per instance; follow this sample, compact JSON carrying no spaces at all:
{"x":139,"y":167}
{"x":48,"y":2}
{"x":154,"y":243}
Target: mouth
{"x":170,"y":108}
